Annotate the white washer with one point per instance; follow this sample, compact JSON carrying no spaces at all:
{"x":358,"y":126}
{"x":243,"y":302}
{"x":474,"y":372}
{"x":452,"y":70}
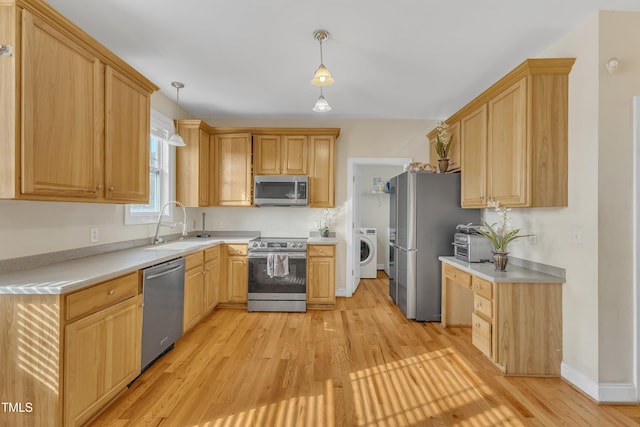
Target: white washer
{"x":368,"y":253}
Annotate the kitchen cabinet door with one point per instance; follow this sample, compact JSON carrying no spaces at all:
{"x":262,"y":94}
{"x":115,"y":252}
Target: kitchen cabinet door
{"x":211,"y":279}
{"x":193,"y":164}
{"x":322,"y":171}
{"x":266,"y":154}
{"x":473,"y":141}
{"x":126,"y":139}
{"x":193,"y":291}
{"x":321,"y":276}
{"x":294,"y":155}
{"x":102,"y":355}
{"x":507,"y":146}
{"x":238,"y":276}
{"x":62,"y":115}
{"x":235,"y":184}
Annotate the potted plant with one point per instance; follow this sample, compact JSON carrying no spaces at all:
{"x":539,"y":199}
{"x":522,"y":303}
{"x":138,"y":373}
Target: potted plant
{"x":442,"y":146}
{"x":324,"y":222}
{"x":500,"y":235}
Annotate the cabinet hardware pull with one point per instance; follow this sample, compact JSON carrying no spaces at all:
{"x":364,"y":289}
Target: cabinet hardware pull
{"x":111,"y":292}
{"x":99,"y":187}
{"x":111,"y":188}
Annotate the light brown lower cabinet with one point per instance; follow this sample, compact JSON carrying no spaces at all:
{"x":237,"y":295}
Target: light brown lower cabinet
{"x":102,"y":355}
{"x":517,"y":325}
{"x":211,"y":278}
{"x":321,"y":276}
{"x":237,"y":275}
{"x":193,"y":291}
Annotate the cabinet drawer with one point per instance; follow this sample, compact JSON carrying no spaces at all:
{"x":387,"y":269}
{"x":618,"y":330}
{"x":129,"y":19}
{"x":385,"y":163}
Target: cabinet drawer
{"x":193,"y":260}
{"x":481,"y":334}
{"x":482,"y":306}
{"x":457,"y":276}
{"x":100,"y":296}
{"x":211,"y":253}
{"x":321,"y":250}
{"x":237,"y":249}
{"x":482,"y":287}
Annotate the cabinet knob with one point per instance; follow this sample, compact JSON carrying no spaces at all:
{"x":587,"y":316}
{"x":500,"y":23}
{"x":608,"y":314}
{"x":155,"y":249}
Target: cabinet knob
{"x":99,"y":187}
{"x":111,"y":188}
{"x":111,"y":292}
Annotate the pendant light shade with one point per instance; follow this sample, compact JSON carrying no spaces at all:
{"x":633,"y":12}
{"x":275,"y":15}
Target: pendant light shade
{"x":176,"y":139}
{"x":322,"y":76}
{"x":322,"y":106}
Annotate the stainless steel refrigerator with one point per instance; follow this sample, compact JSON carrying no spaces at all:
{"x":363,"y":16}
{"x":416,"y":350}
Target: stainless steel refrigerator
{"x":424,"y":211}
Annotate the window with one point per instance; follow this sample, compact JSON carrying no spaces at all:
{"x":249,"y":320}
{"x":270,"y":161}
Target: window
{"x":162,"y":181}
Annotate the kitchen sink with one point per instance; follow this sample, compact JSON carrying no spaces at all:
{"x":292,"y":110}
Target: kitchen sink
{"x":178,"y":246}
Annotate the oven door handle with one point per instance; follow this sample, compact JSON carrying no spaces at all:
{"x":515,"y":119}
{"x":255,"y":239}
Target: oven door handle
{"x":263,"y":255}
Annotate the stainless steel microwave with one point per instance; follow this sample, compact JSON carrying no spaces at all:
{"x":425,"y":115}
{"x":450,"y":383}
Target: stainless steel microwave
{"x":281,"y":190}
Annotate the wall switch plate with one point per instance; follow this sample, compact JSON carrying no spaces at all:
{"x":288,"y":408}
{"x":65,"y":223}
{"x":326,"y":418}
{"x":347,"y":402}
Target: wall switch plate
{"x":577,"y":235}
{"x":95,"y":235}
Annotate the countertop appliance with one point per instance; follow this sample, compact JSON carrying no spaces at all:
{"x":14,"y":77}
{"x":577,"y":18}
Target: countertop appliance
{"x":471,"y":246}
{"x":424,"y":211}
{"x":281,"y":190}
{"x":277,"y":274}
{"x":162,"y":308}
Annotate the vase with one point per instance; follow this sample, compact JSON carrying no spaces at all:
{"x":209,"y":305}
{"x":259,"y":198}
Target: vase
{"x":500,"y":260}
{"x":443,"y":165}
{"x":324,"y":232}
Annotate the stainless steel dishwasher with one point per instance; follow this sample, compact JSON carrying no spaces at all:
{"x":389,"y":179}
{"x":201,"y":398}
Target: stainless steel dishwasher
{"x":162,"y":308}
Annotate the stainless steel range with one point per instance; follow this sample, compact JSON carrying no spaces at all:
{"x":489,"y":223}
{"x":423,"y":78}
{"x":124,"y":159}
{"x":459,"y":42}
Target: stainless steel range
{"x":277,"y":274}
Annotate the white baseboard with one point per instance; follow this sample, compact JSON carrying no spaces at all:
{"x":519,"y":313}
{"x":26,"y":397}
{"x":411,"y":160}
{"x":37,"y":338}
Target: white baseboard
{"x":380,"y":266}
{"x":600,"y":392}
{"x":341,"y":292}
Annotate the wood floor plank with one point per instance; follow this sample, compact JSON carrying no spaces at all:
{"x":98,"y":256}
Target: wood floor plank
{"x":362,"y":364}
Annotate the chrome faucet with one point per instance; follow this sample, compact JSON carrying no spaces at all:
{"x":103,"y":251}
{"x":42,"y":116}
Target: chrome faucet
{"x":157,"y":239}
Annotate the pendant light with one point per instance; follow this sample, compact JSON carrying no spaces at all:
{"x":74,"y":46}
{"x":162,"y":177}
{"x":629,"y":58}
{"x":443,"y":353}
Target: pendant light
{"x":176,"y":139}
{"x":322,"y":106}
{"x":322,"y":76}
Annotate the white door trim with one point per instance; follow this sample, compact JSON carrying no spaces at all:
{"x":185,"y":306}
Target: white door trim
{"x":636,"y":245}
{"x":352,"y":164}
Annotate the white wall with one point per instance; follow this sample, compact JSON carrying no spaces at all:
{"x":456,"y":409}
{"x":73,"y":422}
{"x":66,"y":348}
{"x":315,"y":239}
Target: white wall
{"x":374,"y":209}
{"x":597,"y":297}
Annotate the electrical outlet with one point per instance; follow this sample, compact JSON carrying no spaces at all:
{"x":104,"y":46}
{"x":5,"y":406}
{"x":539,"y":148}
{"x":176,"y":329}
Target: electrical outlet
{"x":577,"y":235}
{"x":94,"y":235}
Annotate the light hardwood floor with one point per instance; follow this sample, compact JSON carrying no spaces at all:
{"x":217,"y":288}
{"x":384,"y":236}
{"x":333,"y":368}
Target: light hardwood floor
{"x":362,"y":364}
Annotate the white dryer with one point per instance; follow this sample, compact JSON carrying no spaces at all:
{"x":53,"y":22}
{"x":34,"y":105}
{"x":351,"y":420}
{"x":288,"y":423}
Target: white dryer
{"x":368,"y":253}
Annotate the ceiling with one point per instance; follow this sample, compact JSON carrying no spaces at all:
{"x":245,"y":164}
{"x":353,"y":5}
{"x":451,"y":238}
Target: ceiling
{"x":402,"y":59}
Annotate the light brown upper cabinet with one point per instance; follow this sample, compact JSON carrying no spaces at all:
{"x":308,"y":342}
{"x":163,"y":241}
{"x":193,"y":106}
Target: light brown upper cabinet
{"x":513,"y":138}
{"x":235,"y":183}
{"x":195,"y":164}
{"x":322,"y":151}
{"x":74,"y":121}
{"x":280,"y":154}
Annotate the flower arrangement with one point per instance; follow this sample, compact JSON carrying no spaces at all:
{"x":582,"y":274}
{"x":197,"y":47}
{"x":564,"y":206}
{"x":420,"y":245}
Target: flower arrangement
{"x":325,"y":221}
{"x":502,"y":234}
{"x":443,"y":140}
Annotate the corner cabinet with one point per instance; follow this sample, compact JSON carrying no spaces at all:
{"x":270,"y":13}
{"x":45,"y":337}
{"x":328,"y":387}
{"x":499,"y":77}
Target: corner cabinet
{"x":321,"y":276}
{"x":513,"y":138}
{"x":74,"y":121}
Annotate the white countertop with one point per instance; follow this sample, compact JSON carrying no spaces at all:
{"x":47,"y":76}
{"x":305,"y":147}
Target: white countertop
{"x":322,"y":241}
{"x":514,"y":274}
{"x":67,"y":276}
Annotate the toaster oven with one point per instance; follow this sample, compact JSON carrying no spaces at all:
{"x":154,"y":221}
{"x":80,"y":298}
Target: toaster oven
{"x":472,"y":247}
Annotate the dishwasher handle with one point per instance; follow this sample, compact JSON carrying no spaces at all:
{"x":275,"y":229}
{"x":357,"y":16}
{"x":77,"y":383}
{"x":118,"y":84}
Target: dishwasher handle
{"x":164,"y":273}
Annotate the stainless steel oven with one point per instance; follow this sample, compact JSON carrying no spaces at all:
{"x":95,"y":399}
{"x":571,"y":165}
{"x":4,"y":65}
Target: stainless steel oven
{"x":277,"y":275}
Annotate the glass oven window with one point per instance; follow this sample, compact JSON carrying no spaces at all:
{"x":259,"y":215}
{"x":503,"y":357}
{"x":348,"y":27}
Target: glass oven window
{"x":294,"y":282}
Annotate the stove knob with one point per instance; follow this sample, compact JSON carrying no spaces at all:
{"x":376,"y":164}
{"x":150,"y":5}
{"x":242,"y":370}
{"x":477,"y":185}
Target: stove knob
{"x":263,"y":244}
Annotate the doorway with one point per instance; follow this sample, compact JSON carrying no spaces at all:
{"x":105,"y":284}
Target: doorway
{"x":356,"y":168}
